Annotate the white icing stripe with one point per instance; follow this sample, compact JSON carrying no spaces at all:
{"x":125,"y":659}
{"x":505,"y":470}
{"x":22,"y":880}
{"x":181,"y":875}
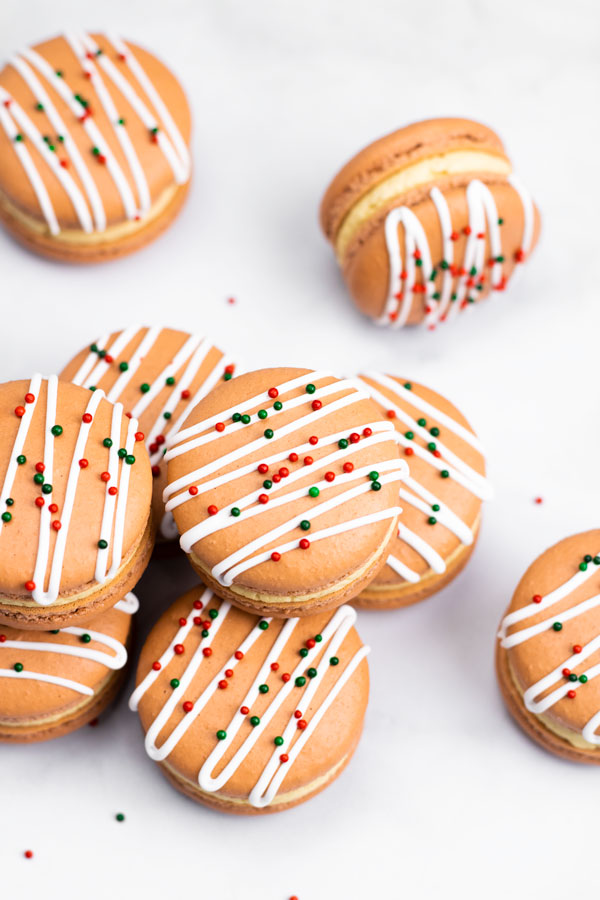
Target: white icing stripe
{"x":113,"y":661}
{"x":70,"y":146}
{"x":431,"y":556}
{"x":94,"y":133}
{"x":43,"y":548}
{"x":403,"y":283}
{"x":35,"y":136}
{"x":507,"y":641}
{"x":157,"y":101}
{"x":31,"y":171}
{"x":403,"y":570}
{"x":124,"y":378}
{"x":273,"y":773}
{"x":443,"y":516}
{"x":342,"y":528}
{"x":110,"y":500}
{"x":452,"y":522}
{"x":93,"y":367}
{"x":121,"y":511}
{"x":20,"y":438}
{"x":189,"y":347}
{"x":80,"y":44}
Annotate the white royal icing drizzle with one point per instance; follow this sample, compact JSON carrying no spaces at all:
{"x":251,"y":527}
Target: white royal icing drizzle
{"x":88,"y":204}
{"x":226,"y":569}
{"x":555,"y":676}
{"x":274,"y":771}
{"x":129,"y":604}
{"x":49,"y":596}
{"x":416,"y":494}
{"x":403,"y":269}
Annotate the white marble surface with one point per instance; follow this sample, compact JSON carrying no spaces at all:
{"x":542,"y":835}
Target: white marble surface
{"x":445,"y":797}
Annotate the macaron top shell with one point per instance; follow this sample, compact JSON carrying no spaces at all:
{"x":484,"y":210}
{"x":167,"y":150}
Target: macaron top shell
{"x":98,"y":126}
{"x":551,"y":634}
{"x":44,"y":673}
{"x":441,"y":499}
{"x":73,"y":508}
{"x":289,"y":462}
{"x":159,"y":375}
{"x":245,"y":697}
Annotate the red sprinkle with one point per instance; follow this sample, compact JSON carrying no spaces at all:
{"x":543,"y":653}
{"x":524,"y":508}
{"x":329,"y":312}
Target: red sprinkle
{"x":19,"y":411}
{"x":577,"y":648}
{"x":354,"y":437}
{"x":408,"y":451}
{"x":286,"y":677}
{"x":276,"y":478}
{"x":187,"y":706}
{"x":179,"y":649}
{"x":274,"y":666}
{"x":238,"y":654}
{"x":222,"y":684}
{"x":304,"y":544}
{"x":230,"y":369}
{"x":155,"y":471}
{"x":302,"y":723}
{"x":212,"y":510}
{"x":391,"y":414}
{"x":566,"y":672}
{"x":29,"y":398}
{"x":348,"y":467}
{"x":538,"y":500}
{"x":40,"y":467}
{"x":198,"y":604}
{"x":263,"y":498}
{"x":537,"y":598}
{"x":197,"y":620}
{"x":39,"y":501}
{"x":193,"y":490}
{"x":293,"y":457}
{"x":87,"y":418}
{"x":56,"y":525}
{"x":519,"y":256}
{"x":367,"y":432}
{"x":156,"y":666}
{"x":228,"y":673}
{"x":275,"y":556}
{"x":329,"y":476}
{"x":263,"y":468}
{"x":3,"y":638}
{"x":311,"y":643}
{"x":283,"y":757}
{"x":139,"y":435}
{"x":207,"y":651}
{"x":316,"y":404}
{"x":297,"y":714}
{"x":105,"y":476}
{"x":160,"y":439}
{"x":28,"y":854}
{"x":220,"y":426}
{"x":185,"y":394}
{"x":182,"y":622}
{"x":308,"y":460}
{"x":30,"y":585}
{"x":571,"y":694}
{"x":113,"y":490}
{"x":83,"y":463}
{"x":313,"y":439}
{"x":244,"y":710}
{"x":273,"y":393}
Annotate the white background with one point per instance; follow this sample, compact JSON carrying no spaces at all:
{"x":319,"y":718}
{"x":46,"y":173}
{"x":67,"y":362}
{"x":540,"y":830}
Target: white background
{"x":445,"y":797}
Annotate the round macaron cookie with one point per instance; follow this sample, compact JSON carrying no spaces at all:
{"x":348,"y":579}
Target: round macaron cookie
{"x":159,"y":375}
{"x":428,"y":220}
{"x":247,"y":714}
{"x":548,"y":652}
{"x":284,"y":487}
{"x":53,"y":682}
{"x":441,"y":498}
{"x":75,"y":495}
{"x":94,"y":159}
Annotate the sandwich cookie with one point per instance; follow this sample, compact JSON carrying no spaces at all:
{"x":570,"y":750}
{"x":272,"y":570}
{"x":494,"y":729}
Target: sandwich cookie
{"x":75,"y":493}
{"x":441,"y":497}
{"x":159,"y":375}
{"x":53,"y":682}
{"x":94,"y":159}
{"x":249,"y":714}
{"x":548,"y":651}
{"x":284,"y":487}
{"x":427,"y":221}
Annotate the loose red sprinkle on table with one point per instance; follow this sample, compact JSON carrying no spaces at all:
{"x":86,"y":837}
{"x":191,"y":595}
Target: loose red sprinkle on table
{"x":29,"y":398}
{"x":139,"y":435}
{"x":220,"y":426}
{"x":30,"y":585}
{"x":329,"y":476}
{"x":293,"y":457}
{"x":87,"y":418}
{"x":213,"y":510}
{"x":193,"y":490}
{"x":273,"y":393}
{"x":263,"y":468}
{"x":231,"y":300}
{"x":286,"y":677}
{"x":156,"y":666}
{"x":316,"y":404}
{"x":304,"y":544}
{"x":187,"y":706}
{"x":40,"y":467}
{"x":348,"y":467}
{"x":19,"y":411}
{"x":313,"y":439}
{"x":28,"y":854}
{"x":244,"y":710}
{"x":207,"y":651}
{"x":238,"y":654}
{"x":113,"y":490}
{"x":537,"y":598}
{"x":275,"y":556}
{"x":538,"y":500}
{"x":83,"y":463}
{"x":179,"y":649}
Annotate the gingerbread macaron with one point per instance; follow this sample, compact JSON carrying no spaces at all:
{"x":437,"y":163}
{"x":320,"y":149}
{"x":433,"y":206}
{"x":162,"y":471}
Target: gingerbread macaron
{"x":53,"y":682}
{"x":94,"y":158}
{"x":548,"y":651}
{"x":159,"y":375}
{"x":76,"y":528}
{"x":441,"y":498}
{"x":427,"y":221}
{"x":284,"y":487}
{"x":249,"y":714}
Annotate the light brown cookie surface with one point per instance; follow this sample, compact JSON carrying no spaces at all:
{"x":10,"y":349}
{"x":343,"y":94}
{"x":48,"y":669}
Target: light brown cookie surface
{"x":94,"y":137}
{"x":249,"y":714}
{"x":548,"y":656}
{"x":441,"y":497}
{"x":75,"y":492}
{"x":284,"y":484}
{"x":55,"y":681}
{"x":428,"y":220}
{"x":159,"y":375}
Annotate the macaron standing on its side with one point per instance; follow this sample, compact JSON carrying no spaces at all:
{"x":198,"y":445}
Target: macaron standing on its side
{"x":53,"y":682}
{"x":548,"y":652}
{"x":159,"y":375}
{"x":76,"y":529}
{"x":94,"y":159}
{"x":441,"y":497}
{"x":428,"y":220}
{"x":284,"y":487}
{"x":250,"y":715}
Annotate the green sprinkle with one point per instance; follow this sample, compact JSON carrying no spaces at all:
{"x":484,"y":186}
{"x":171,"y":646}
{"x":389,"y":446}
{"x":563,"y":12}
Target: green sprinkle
{"x":54,"y":630}
{"x":120,"y":121}
{"x":313,"y":492}
{"x":310,"y":388}
{"x":444,"y":264}
{"x":144,"y":388}
{"x":267,"y":484}
{"x":445,"y":473}
{"x":300,"y":681}
{"x":311,"y":672}
{"x":102,"y":544}
{"x":587,"y":558}
{"x":436,"y":295}
{"x":583,"y":678}
{"x":557,"y":626}
{"x":235,"y":511}
{"x":85,"y":638}
{"x":227,"y":376}
{"x":101,"y":353}
{"x":333,"y":660}
{"x":473,"y":271}
{"x":221,"y":734}
{"x":304,"y":524}
{"x":254,"y":721}
{"x":129,"y":459}
{"x":122,"y":453}
{"x":597,"y":560}
{"x":204,"y":632}
{"x":107,"y":442}
{"x":418,"y":262}
{"x":431,"y":446}
{"x":21,"y":460}
{"x":500,"y":221}
{"x":123,"y":366}
{"x":19,"y":138}
{"x":375,"y":485}
{"x":342,"y":444}
{"x":582,"y":566}
{"x":373,"y":476}
{"x":432,"y":520}
{"x":246,"y":419}
{"x":236,"y":417}
{"x":154,"y":130}
{"x":269,"y":433}
{"x":500,"y":259}
{"x":93,"y":387}
{"x":436,"y":507}
{"x":263,"y":625}
{"x":573,"y":677}
{"x":9,"y":501}
{"x":408,"y":385}
{"x":93,"y":348}
{"x":120,"y":817}
{"x":422,"y":422}
{"x":278,"y":741}
{"x":278,"y":405}
{"x":303,"y":652}
{"x":56,"y":430}
{"x":18,"y":667}
{"x":38,"y":478}
{"x":318,"y":638}
{"x":409,"y":434}
{"x":46,"y":489}
{"x":434,"y":431}
{"x":262,"y":414}
{"x":167,"y":415}
{"x":213,"y":613}
{"x":6,"y":516}
{"x":58,"y":73}
{"x":263,"y":688}
{"x":95,"y":150}
{"x":174,"y":683}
